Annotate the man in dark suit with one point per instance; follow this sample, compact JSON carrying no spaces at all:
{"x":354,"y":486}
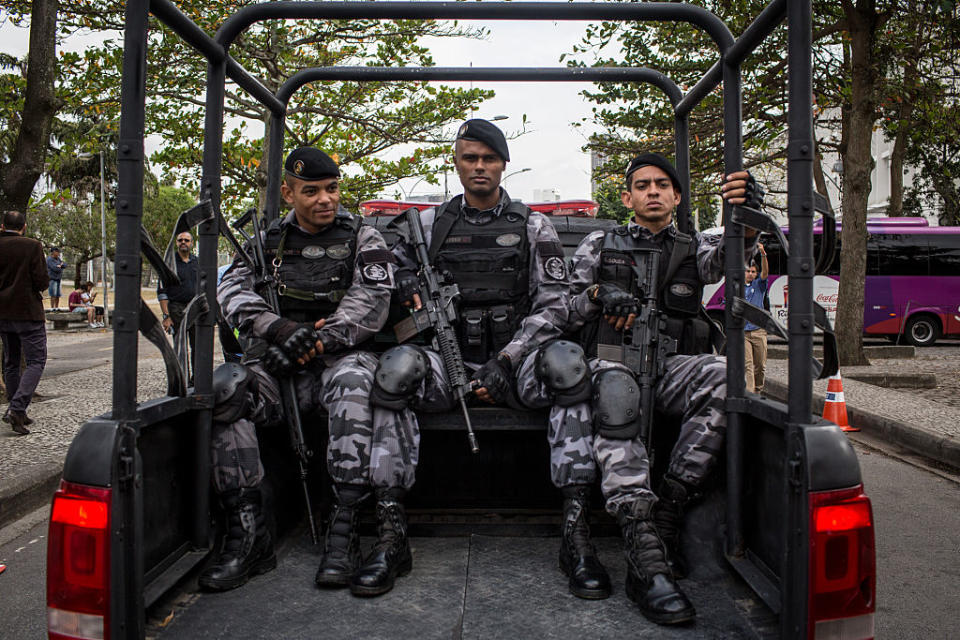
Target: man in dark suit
{"x":23,"y":276}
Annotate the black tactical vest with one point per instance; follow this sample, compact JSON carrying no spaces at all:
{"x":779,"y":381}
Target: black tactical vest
{"x":490,"y":263}
{"x":681,"y":289}
{"x":315,"y":269}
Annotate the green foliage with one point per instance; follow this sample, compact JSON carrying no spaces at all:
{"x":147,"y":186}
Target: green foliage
{"x":360,"y":124}
{"x":356,"y":123}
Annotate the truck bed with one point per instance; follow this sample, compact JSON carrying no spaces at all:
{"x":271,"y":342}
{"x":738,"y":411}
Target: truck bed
{"x":476,"y":586}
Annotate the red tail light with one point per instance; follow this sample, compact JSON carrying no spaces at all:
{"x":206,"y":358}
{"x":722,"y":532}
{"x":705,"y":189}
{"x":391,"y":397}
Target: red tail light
{"x":78,"y":563}
{"x":842,"y":566}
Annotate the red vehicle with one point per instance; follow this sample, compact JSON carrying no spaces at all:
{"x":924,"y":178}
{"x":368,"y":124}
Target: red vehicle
{"x":578,"y":208}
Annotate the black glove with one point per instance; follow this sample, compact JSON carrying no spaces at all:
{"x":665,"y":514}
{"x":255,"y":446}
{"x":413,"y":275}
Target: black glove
{"x":408,"y":284}
{"x":615,"y":301}
{"x":301,"y":342}
{"x":281,"y":329}
{"x":754,"y":195}
{"x":277,"y":362}
{"x":497,"y":377}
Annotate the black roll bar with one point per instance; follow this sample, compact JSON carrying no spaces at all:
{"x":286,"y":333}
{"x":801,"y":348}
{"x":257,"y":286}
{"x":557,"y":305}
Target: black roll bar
{"x":221,"y":66}
{"x":286,"y":10}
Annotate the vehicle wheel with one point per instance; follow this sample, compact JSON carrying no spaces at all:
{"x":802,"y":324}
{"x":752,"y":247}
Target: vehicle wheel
{"x":921,"y":330}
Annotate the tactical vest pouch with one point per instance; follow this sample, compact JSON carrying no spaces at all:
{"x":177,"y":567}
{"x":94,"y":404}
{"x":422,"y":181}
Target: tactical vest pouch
{"x":682,"y":296}
{"x":473,"y":342}
{"x":501,"y":326}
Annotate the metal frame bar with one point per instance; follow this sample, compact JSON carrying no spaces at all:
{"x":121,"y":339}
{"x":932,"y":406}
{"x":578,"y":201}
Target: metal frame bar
{"x":221,"y":66}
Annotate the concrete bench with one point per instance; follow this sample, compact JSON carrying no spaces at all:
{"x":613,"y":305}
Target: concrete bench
{"x":63,"y":319}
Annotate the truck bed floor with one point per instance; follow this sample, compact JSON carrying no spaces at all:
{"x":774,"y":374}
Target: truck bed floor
{"x":475,"y":587}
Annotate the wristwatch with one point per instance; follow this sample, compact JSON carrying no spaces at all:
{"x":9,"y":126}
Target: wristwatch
{"x":166,"y":315}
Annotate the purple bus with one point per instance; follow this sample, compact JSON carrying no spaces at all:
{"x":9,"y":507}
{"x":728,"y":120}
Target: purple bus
{"x":912,"y":284}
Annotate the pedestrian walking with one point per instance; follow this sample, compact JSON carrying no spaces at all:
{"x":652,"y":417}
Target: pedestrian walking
{"x":23,"y":277}
{"x":174,"y":298}
{"x":55,"y":272}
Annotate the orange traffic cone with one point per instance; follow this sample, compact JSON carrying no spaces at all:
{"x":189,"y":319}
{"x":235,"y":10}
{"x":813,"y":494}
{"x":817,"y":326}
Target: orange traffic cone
{"x":834,"y":407}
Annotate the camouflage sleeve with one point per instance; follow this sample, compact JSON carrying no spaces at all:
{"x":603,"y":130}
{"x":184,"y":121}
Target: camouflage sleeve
{"x":586,"y":263}
{"x":363,"y":310}
{"x":710,"y":255}
{"x":549,"y":289}
{"x":242,"y":307}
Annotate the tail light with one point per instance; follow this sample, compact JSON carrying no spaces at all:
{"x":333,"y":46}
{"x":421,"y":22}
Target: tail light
{"x":78,"y":563}
{"x":842,"y":566}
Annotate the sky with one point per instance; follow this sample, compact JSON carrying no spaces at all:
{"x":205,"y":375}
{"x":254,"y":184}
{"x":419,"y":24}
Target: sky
{"x":546,"y":156}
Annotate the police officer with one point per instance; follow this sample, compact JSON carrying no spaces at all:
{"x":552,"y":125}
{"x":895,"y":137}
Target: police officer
{"x":508,"y":264}
{"x":334,"y":277}
{"x":600,"y":431}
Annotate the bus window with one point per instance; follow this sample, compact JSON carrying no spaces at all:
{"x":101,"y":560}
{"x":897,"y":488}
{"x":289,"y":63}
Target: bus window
{"x":944,"y":255}
{"x":901,"y":255}
{"x":775,"y":257}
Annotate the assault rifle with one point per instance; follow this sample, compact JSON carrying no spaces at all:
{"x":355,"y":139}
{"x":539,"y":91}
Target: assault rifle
{"x":438,"y":312}
{"x":264,"y":285}
{"x":646,"y":345}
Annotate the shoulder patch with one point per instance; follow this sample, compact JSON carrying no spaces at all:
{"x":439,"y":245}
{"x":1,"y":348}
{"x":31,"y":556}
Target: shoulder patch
{"x":554,"y":267}
{"x":550,"y":248}
{"x":375,"y":266}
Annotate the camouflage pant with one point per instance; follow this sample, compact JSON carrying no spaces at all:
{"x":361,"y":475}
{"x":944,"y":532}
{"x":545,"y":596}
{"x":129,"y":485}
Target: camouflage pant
{"x":692,"y":390}
{"x":367,"y":445}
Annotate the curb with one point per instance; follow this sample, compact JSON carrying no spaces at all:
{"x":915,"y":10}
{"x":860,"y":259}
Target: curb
{"x":26,"y":489}
{"x":944,"y":450}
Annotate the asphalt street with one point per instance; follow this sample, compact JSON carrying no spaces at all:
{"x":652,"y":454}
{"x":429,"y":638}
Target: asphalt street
{"x":916,"y":513}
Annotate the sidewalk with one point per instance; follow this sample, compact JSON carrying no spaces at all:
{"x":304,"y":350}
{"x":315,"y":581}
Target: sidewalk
{"x":894,"y":416}
{"x":31,"y":465}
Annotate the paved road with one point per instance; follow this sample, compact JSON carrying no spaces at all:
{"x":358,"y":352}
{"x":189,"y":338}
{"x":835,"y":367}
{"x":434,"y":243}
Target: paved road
{"x":76,"y":351}
{"x":917,"y":516}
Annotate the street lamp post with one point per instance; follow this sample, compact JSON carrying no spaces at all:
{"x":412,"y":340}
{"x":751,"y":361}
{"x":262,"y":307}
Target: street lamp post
{"x":103,"y":247}
{"x":510,"y":175}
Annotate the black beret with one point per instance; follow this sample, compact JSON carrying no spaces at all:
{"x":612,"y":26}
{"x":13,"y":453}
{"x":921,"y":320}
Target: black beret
{"x":52,"y":249}
{"x":487,"y":133}
{"x":308,"y":163}
{"x":656,"y":160}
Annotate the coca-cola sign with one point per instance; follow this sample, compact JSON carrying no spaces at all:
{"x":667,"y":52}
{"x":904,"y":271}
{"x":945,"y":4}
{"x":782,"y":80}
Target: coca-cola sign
{"x":824,"y":298}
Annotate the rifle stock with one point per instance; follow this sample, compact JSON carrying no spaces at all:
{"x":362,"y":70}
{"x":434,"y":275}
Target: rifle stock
{"x":438,"y":313}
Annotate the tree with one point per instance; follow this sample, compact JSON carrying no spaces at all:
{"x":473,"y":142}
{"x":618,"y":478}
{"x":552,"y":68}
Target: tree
{"x":852,"y":67}
{"x":31,"y":105}
{"x":356,"y":122}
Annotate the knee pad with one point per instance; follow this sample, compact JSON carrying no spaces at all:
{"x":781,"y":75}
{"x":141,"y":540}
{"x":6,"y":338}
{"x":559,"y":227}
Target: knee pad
{"x":231,"y":382}
{"x":616,"y":404}
{"x":562,"y":366}
{"x":398,"y":374}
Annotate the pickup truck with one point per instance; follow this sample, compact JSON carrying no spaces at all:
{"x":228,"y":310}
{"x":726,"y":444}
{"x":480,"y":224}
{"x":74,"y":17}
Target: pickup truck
{"x":780,"y":546}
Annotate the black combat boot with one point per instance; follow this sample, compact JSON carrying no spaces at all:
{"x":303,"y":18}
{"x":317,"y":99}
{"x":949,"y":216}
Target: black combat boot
{"x":668,"y":518}
{"x":649,"y":582}
{"x":341,"y":546}
{"x":247,"y":546}
{"x":390,"y":556}
{"x":578,"y":558}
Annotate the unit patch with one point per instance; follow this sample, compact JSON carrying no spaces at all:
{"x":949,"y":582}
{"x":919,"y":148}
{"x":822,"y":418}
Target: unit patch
{"x":555,"y":268}
{"x":681,"y":289}
{"x":313,"y":252}
{"x":375,"y":273}
{"x":339,"y":251}
{"x":508,"y":240}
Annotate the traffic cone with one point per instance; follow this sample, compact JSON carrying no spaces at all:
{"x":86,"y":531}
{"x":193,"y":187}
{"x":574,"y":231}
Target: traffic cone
{"x":834,"y":407}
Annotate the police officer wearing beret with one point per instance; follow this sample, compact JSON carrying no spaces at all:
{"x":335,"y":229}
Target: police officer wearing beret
{"x":593,"y":408}
{"x":334,"y":277}
{"x":508,"y":264}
